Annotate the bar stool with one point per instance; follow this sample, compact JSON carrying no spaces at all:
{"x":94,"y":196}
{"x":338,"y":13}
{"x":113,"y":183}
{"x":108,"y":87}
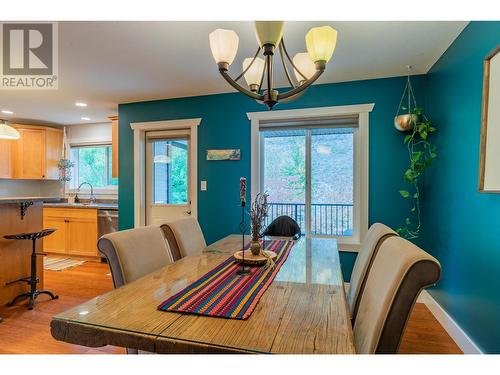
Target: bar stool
{"x":32,"y":280}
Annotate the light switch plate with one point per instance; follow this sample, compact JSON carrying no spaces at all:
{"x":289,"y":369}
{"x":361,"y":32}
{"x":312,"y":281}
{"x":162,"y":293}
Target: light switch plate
{"x":203,"y":186}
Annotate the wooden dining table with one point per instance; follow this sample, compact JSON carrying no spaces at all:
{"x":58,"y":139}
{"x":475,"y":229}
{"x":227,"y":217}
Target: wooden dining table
{"x":304,"y":310}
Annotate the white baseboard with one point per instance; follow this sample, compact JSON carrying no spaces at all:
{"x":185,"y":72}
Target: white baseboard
{"x":456,"y":333}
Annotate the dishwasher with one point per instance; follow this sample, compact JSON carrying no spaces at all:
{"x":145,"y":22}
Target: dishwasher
{"x":107,"y":222}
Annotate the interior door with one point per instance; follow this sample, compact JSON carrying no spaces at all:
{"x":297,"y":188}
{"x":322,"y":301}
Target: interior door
{"x":168,"y":171}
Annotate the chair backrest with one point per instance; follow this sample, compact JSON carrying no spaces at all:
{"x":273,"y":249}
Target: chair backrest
{"x":398,"y":274}
{"x":374,"y":237}
{"x":184,"y":237}
{"x":283,"y":226}
{"x":134,"y":253}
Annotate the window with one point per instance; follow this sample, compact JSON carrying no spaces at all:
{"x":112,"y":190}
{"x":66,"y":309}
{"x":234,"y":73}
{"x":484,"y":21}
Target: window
{"x":309,"y":176}
{"x":170,"y":171}
{"x":313,"y":163}
{"x":93,"y":164}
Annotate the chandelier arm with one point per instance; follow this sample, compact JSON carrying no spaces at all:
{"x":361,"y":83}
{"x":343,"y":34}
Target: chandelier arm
{"x":240,"y":88}
{"x":262,"y":78}
{"x":290,"y":60}
{"x":249,"y":65}
{"x":284,"y":66}
{"x":302,"y":87}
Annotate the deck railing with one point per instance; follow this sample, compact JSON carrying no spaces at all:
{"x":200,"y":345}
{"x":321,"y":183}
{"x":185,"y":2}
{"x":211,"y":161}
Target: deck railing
{"x":331,"y":219}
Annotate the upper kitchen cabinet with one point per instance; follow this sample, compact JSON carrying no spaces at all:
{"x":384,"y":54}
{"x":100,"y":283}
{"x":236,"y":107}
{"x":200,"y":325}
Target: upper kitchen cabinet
{"x":36,"y":153}
{"x":114,"y":146}
{"x":6,"y":163}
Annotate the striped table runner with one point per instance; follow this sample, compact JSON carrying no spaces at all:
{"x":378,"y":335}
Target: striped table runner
{"x":223,"y":293}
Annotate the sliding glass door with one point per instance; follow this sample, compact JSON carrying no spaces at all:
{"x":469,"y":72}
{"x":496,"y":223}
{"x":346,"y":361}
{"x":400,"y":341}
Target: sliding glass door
{"x":309,"y":175}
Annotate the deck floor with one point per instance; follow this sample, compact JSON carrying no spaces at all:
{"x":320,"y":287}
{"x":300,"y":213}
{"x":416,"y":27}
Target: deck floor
{"x":28,"y":332}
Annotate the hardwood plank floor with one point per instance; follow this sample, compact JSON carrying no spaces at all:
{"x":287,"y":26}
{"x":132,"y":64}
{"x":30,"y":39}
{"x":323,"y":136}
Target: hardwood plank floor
{"x":24,"y":331}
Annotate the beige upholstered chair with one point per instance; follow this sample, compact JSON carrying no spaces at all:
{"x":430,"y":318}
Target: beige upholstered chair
{"x":184,"y":237}
{"x":398,"y":273}
{"x":368,"y":250}
{"x":134,"y":253}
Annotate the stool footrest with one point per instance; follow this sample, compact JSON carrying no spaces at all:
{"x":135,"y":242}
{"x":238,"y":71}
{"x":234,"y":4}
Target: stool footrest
{"x":26,"y":279}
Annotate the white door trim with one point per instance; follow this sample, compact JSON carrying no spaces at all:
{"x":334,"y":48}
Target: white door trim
{"x":362,"y":110}
{"x":140,"y":129}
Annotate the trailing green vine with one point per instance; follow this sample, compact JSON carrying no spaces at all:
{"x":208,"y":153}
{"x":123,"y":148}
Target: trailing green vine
{"x":421,"y":154}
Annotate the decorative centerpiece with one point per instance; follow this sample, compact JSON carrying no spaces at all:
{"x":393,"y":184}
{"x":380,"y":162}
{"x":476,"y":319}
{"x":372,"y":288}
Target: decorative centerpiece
{"x":258,"y":214}
{"x":256,"y":256}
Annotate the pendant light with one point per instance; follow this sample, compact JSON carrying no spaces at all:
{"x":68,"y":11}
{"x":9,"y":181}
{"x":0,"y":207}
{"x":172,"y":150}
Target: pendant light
{"x":8,"y":132}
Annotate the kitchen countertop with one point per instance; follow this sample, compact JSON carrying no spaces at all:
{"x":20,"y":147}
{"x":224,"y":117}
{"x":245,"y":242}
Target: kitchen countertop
{"x":100,"y":206}
{"x":7,"y":200}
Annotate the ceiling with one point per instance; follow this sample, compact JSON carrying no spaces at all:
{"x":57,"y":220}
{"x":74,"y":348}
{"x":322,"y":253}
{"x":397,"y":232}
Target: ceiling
{"x":106,"y":63}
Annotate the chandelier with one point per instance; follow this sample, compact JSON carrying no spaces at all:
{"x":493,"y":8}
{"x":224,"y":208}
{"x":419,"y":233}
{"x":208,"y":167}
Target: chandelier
{"x":258,"y":72}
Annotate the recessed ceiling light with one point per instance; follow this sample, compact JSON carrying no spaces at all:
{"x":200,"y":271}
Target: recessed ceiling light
{"x":7,"y":112}
{"x":81,"y":104}
{"x":86,"y":118}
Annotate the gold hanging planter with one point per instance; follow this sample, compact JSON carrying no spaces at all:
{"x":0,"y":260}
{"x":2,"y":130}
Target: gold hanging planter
{"x":406,"y":121}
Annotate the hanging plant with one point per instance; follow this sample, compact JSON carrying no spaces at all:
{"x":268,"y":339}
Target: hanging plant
{"x":65,"y":166}
{"x":418,"y":132}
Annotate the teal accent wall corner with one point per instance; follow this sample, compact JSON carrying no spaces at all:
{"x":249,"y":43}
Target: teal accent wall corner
{"x":461,"y":224}
{"x":225,"y":124}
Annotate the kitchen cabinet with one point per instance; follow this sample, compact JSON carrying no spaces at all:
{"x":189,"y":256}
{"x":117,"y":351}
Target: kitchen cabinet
{"x":114,"y":146}
{"x":36,"y":153}
{"x":6,"y":170}
{"x":53,"y":152}
{"x":76,"y":234}
{"x":56,"y":242}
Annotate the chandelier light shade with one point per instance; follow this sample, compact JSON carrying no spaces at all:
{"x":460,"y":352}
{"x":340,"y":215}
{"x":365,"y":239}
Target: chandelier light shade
{"x":8,"y":132}
{"x":224,"y":45}
{"x":306,"y":66}
{"x":321,"y":42}
{"x":253,"y":71}
{"x":269,"y":32}
{"x":258,"y":72}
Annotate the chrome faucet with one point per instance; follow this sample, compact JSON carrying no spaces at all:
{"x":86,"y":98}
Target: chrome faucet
{"x":92,"y":198}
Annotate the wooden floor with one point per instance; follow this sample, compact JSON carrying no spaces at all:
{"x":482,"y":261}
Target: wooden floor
{"x":24,"y":331}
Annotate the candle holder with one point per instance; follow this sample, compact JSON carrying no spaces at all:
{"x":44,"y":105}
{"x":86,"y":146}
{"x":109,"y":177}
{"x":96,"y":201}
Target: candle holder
{"x":243,"y":228}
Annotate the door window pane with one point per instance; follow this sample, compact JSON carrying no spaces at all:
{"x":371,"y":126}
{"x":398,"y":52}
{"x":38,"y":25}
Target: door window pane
{"x":170,"y":171}
{"x":332,"y":179}
{"x":285,"y":173}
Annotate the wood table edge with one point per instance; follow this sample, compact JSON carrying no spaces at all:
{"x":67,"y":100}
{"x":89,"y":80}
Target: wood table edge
{"x":94,"y":336}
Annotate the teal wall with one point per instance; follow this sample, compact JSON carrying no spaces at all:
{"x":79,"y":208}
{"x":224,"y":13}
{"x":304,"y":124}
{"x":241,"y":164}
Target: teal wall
{"x":462,"y":226}
{"x":225,"y":125}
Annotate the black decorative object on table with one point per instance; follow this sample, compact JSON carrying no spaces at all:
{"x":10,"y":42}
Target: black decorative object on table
{"x":31,"y":280}
{"x":243,"y":226}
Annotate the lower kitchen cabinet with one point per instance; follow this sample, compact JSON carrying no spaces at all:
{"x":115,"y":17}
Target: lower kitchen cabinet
{"x":76,"y":233}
